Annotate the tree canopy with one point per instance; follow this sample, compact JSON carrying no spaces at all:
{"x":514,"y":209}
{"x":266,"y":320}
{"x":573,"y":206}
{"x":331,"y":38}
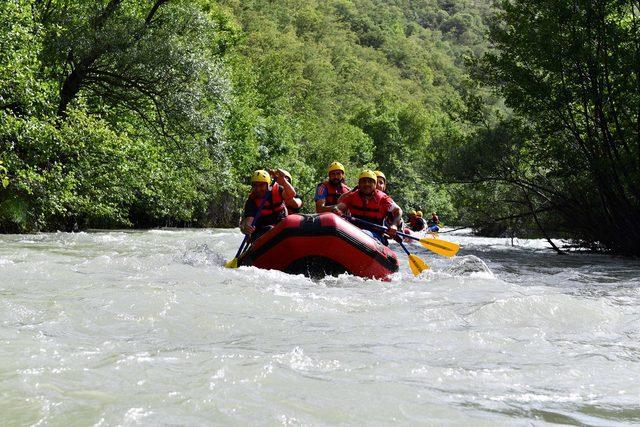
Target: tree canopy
{"x":518,"y":118}
{"x":570,"y":72}
{"x":121,"y":113}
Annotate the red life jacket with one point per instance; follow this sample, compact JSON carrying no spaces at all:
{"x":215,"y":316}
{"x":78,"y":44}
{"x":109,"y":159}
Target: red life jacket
{"x":334,"y":192}
{"x":417,"y":224}
{"x":368,"y":209}
{"x":273,"y":205}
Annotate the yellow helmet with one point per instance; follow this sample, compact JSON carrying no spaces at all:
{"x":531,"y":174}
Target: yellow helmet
{"x":419,"y":214}
{"x":368,"y":174}
{"x":335,"y":166}
{"x":261,"y":176}
{"x":412,"y":212}
{"x":287,"y":174}
{"x":380,"y":174}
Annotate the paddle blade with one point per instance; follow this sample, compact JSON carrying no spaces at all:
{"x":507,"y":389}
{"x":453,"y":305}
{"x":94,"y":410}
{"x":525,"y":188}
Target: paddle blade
{"x":417,"y":265}
{"x":232,"y":264}
{"x":439,"y":246}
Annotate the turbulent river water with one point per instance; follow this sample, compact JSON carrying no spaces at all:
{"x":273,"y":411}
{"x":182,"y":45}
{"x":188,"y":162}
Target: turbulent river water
{"x":148,"y":327}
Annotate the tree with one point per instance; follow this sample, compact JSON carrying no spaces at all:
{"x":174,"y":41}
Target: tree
{"x":571,"y":69}
{"x":154,"y":58}
{"x":111,"y":113}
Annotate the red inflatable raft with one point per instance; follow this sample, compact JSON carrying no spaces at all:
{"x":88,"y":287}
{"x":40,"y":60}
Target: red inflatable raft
{"x":320,"y":245}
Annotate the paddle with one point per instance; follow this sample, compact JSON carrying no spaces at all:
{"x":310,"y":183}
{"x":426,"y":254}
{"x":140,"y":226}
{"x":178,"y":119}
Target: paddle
{"x":416,"y":264}
{"x":439,"y":246}
{"x":234,"y":262}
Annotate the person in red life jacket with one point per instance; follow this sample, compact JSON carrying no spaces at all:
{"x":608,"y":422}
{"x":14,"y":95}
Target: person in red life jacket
{"x":274,"y":208}
{"x":381,"y":184}
{"x":433,"y":223}
{"x":412,"y":219}
{"x":294,"y":205}
{"x":416,"y":223}
{"x":329,"y":191}
{"x":370,"y":204}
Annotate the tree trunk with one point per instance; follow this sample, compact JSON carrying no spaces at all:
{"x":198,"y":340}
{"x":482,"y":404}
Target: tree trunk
{"x":70,"y":89}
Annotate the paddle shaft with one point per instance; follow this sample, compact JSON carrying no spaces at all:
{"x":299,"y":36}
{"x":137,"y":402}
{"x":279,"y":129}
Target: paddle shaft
{"x":416,"y":264}
{"x":441,"y":247}
{"x":380,"y":227}
{"x":404,"y":248}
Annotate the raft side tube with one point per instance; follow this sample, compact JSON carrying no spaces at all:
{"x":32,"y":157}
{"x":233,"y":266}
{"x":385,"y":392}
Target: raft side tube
{"x":318,"y":244}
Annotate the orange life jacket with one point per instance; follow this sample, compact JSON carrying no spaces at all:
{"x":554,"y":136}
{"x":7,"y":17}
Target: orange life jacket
{"x":273,"y":205}
{"x":368,"y":209}
{"x":334,"y":192}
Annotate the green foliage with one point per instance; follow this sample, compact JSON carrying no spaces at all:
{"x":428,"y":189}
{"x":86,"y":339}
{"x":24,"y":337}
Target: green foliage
{"x":21,"y":90}
{"x":570,"y":159}
{"x":110,"y":117}
{"x":4,"y":179}
{"x":84,"y":173}
{"x":359,"y":82}
{"x":151,"y":113}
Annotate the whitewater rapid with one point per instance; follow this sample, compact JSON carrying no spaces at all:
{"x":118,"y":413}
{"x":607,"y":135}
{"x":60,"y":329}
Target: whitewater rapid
{"x":149,"y":328}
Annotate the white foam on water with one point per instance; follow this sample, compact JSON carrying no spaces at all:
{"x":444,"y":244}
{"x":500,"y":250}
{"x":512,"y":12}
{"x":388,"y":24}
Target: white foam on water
{"x":149,"y":328}
{"x":552,"y":312}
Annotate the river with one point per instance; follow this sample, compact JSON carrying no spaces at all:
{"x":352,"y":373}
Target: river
{"x":148,"y":328}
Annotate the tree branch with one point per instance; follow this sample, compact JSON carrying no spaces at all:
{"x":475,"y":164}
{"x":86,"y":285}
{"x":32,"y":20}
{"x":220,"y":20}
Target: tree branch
{"x":153,"y":10}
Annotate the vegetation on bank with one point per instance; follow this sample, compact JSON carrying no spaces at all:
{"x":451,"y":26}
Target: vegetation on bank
{"x":117,"y":113}
{"x":570,"y":154}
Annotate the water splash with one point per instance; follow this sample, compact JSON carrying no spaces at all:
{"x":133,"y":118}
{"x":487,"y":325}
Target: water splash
{"x":149,"y":328}
{"x":202,"y":255}
{"x":468,"y":266}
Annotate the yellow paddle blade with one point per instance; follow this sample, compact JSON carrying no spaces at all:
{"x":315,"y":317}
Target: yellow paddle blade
{"x":417,"y":265}
{"x":232,"y":264}
{"x":439,"y":246}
